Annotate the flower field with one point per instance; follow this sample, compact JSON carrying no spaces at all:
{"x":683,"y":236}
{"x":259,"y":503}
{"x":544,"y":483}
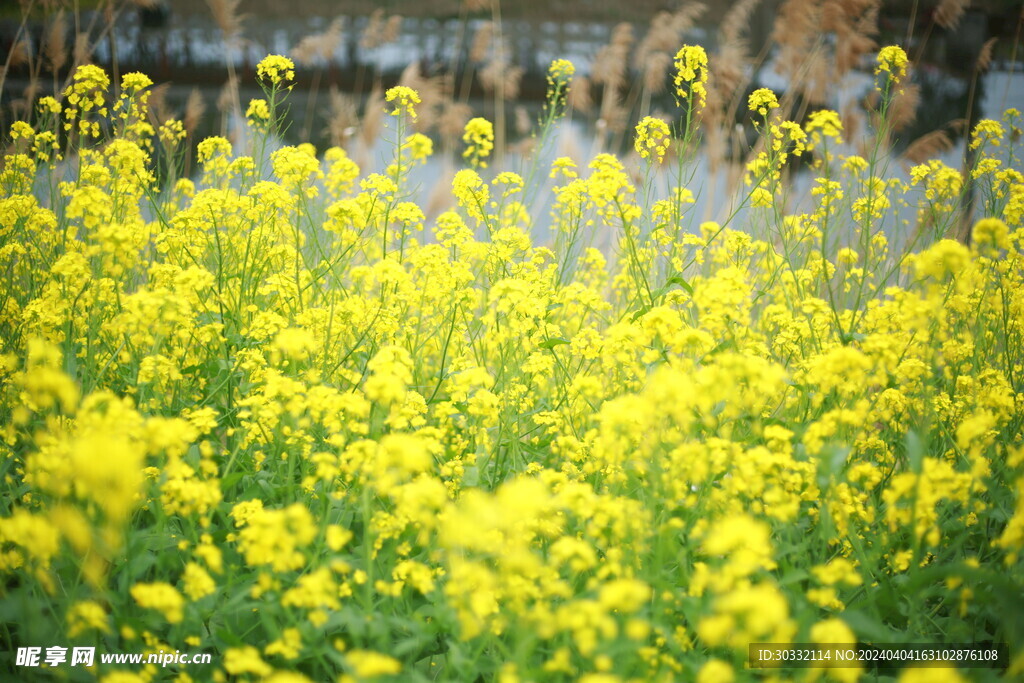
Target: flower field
{"x":272,"y":411}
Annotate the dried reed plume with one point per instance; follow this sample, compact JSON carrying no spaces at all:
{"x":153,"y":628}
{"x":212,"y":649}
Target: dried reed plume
{"x":927,"y":147}
{"x":20,"y":54}
{"x":613,"y":116}
{"x":653,"y":55}
{"x":228,"y":95}
{"x":655,"y":68}
{"x":609,"y":67}
{"x":82,"y":52}
{"x":373,"y":32}
{"x":904,"y":106}
{"x":158,"y":110}
{"x":372,"y":114}
{"x":226,"y":16}
{"x":579,"y":97}
{"x":796,"y":26}
{"x":432,"y":92}
{"x":949,"y":13}
{"x":481,"y":42}
{"x":853,"y":119}
{"x":392,"y":29}
{"x":195,"y":107}
{"x":452,"y":121}
{"x":343,"y":120}
{"x":499,"y":77}
{"x":55,"y":43}
{"x":984,"y":60}
{"x":730,"y":65}
{"x":522,"y":119}
{"x":319,"y":45}
{"x":802,"y":28}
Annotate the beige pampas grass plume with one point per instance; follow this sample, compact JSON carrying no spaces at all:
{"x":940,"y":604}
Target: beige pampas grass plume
{"x":226,"y":16}
{"x":949,"y":13}
{"x":55,"y":45}
{"x":579,"y":97}
{"x":19,"y":54}
{"x":904,"y":106}
{"x":609,"y":67}
{"x":432,"y":92}
{"x":374,"y":30}
{"x":452,"y":121}
{"x":82,"y":52}
{"x":481,"y":42}
{"x":853,"y":119}
{"x":158,"y":110}
{"x":522,"y":119}
{"x":195,"y":107}
{"x":928,"y":146}
{"x":737,"y":19}
{"x":319,"y":45}
{"x":372,"y":116}
{"x":228,"y":95}
{"x":984,"y":60}
{"x":343,"y":119}
{"x":655,"y":71}
{"x":500,"y":77}
{"x":392,"y":29}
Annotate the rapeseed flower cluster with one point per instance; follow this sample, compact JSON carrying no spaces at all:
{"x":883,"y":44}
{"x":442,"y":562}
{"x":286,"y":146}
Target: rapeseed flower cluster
{"x":274,"y":401}
{"x":691,"y":77}
{"x":275,"y":70}
{"x":893,"y":61}
{"x":479,"y":138}
{"x":652,"y":139}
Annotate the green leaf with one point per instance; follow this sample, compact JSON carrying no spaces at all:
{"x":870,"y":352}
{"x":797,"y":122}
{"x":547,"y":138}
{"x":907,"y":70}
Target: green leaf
{"x":229,"y":481}
{"x":869,"y":629}
{"x":553,"y":342}
{"x":678,"y":280}
{"x":643,"y":310}
{"x":915,"y":450}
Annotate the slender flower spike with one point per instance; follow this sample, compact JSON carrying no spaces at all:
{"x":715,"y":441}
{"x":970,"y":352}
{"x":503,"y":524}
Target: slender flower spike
{"x":276,"y":69}
{"x":762,"y":100}
{"x":405,"y":98}
{"x":561,"y":72}
{"x":893,"y":60}
{"x":824,"y":123}
{"x":258,"y":114}
{"x":692,"y":73}
{"x":134,"y":82}
{"x":479,"y":138}
{"x":48,"y":105}
{"x":652,"y":138}
{"x":987,"y":132}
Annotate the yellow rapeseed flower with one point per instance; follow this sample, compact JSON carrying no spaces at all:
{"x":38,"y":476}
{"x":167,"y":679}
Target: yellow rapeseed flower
{"x":892,"y":60}
{"x":762,"y":101}
{"x":479,"y":138}
{"x":691,"y":64}
{"x":652,"y":138}
{"x":275,"y":69}
{"x":405,"y":99}
{"x":561,"y":72}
